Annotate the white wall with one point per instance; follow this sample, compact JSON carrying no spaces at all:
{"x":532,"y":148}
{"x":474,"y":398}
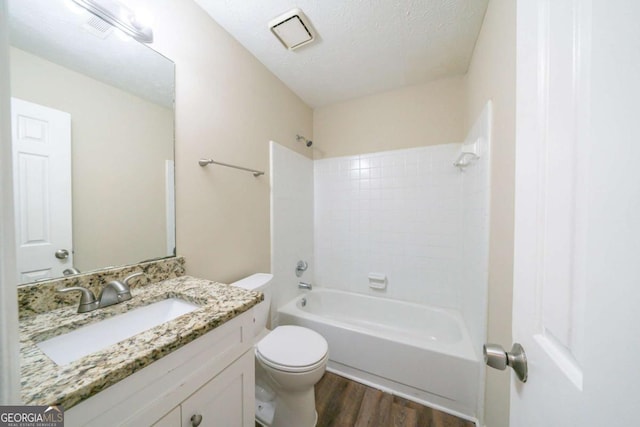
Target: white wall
{"x":396,"y":213}
{"x":291,"y":222}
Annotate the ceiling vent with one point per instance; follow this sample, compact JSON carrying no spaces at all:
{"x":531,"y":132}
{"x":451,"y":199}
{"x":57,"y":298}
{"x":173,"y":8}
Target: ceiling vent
{"x":98,"y":27}
{"x":292,"y":29}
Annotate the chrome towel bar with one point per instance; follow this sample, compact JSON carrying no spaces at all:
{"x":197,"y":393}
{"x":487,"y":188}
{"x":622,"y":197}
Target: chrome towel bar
{"x":205,"y":162}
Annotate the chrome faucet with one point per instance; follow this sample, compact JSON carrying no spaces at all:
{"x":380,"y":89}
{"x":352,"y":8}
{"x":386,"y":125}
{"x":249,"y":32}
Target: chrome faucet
{"x":112,"y":293}
{"x":305,"y":285}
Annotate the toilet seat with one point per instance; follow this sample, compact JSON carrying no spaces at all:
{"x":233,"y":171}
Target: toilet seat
{"x":293,"y":349}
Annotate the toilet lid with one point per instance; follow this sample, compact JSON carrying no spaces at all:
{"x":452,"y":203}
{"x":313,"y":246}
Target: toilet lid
{"x":292,"y":347}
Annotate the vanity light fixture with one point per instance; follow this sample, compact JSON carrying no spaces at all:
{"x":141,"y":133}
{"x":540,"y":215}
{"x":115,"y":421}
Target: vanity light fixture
{"x":292,"y":29}
{"x":120,"y":16}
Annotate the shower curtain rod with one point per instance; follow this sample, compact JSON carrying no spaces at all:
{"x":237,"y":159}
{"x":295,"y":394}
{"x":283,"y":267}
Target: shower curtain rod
{"x":205,"y":162}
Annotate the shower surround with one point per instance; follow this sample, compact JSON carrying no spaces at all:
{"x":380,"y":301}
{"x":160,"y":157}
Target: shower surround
{"x":397,"y":213}
{"x":407,"y":215}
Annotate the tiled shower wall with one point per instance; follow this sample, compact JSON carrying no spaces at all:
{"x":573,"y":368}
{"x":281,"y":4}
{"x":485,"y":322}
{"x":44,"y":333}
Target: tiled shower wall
{"x":397,"y":213}
{"x":407,"y":214}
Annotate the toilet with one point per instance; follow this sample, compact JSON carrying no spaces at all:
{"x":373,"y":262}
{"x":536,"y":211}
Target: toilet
{"x":290,"y":360}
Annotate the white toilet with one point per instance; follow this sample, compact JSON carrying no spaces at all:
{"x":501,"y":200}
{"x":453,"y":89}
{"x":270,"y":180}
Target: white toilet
{"x":290,"y":361}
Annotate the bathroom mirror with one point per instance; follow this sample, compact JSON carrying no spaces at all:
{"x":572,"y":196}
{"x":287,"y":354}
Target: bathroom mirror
{"x":118,"y":95}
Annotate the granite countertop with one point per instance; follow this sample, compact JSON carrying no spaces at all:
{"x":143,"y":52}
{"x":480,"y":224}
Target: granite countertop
{"x":45,"y":383}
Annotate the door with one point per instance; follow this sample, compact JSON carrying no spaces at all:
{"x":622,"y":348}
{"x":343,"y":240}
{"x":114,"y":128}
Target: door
{"x":576,"y":307}
{"x":41,"y":140}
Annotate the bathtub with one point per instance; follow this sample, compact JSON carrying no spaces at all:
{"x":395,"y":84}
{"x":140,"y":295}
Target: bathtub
{"x":413,"y":350}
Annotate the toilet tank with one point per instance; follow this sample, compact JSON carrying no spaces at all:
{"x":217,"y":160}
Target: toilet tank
{"x":259,"y":282}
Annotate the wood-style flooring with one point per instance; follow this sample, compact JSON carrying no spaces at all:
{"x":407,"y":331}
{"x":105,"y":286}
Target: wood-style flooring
{"x":341,"y":402}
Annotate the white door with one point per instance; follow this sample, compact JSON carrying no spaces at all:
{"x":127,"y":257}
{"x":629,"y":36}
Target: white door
{"x":576,"y":307}
{"x":41,"y":139}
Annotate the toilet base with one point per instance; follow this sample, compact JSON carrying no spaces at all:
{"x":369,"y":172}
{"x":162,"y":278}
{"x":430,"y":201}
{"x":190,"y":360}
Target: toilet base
{"x":295,"y":408}
{"x":266,"y":410}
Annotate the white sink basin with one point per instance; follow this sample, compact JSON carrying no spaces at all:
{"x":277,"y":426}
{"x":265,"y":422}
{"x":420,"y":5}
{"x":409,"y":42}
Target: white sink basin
{"x":74,"y":345}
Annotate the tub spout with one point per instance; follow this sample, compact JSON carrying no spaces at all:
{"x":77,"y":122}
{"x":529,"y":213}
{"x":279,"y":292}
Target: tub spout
{"x":304,"y":285}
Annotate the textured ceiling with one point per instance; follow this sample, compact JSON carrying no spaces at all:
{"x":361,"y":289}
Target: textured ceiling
{"x":54,"y":31}
{"x":363,"y":46}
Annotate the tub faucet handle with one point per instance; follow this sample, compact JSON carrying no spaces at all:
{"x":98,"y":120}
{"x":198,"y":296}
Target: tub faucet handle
{"x":301,"y":267}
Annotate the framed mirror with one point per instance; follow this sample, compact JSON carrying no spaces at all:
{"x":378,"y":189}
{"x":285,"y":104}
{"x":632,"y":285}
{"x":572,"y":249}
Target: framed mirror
{"x":93,"y":143}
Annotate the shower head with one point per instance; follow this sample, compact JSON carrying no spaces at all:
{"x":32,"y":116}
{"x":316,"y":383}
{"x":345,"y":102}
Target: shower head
{"x":307,"y":142}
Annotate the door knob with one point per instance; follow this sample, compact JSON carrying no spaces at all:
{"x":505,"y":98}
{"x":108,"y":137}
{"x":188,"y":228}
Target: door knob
{"x":496,"y":357}
{"x":62,"y":254}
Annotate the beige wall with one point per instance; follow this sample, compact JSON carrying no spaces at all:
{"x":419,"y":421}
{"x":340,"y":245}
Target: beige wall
{"x":119,"y":146}
{"x":414,"y":116}
{"x":228,"y":106}
{"x":491,"y":75}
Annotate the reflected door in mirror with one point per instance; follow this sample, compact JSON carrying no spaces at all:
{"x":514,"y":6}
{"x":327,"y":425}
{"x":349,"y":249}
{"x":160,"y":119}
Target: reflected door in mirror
{"x":41,"y":145}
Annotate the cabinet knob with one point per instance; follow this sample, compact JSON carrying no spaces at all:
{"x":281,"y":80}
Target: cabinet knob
{"x":196,"y":419}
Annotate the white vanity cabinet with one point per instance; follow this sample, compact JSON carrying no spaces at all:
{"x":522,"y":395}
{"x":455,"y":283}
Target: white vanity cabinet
{"x":223,"y":401}
{"x":212,"y":378}
{"x":172,"y":419}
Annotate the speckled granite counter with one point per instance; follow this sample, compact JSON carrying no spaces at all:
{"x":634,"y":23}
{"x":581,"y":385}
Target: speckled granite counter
{"x":45,"y":383}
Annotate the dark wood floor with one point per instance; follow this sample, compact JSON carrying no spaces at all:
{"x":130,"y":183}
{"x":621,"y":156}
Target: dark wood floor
{"x":341,"y":402}
{"x":344,"y":403}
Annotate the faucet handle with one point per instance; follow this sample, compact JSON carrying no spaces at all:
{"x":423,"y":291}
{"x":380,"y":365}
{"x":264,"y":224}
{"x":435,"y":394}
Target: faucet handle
{"x":301,"y":267}
{"x":131,"y":276}
{"x":88,"y":300}
{"x":305,"y":285}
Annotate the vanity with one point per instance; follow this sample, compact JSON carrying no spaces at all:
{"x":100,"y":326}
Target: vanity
{"x":194,"y":368}
{"x":104,"y":196}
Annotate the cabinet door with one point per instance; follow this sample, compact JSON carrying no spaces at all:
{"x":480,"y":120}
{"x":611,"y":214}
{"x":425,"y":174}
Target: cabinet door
{"x":172,"y":419}
{"x":227,"y":400}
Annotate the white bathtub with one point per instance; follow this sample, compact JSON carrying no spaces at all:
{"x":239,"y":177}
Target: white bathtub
{"x":411,"y":349}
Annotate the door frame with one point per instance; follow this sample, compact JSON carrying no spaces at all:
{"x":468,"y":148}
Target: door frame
{"x":9,"y":335}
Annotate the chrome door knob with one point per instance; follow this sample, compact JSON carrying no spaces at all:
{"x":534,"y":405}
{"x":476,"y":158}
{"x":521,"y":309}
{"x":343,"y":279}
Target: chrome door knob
{"x":496,"y":357}
{"x":62,"y":254}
